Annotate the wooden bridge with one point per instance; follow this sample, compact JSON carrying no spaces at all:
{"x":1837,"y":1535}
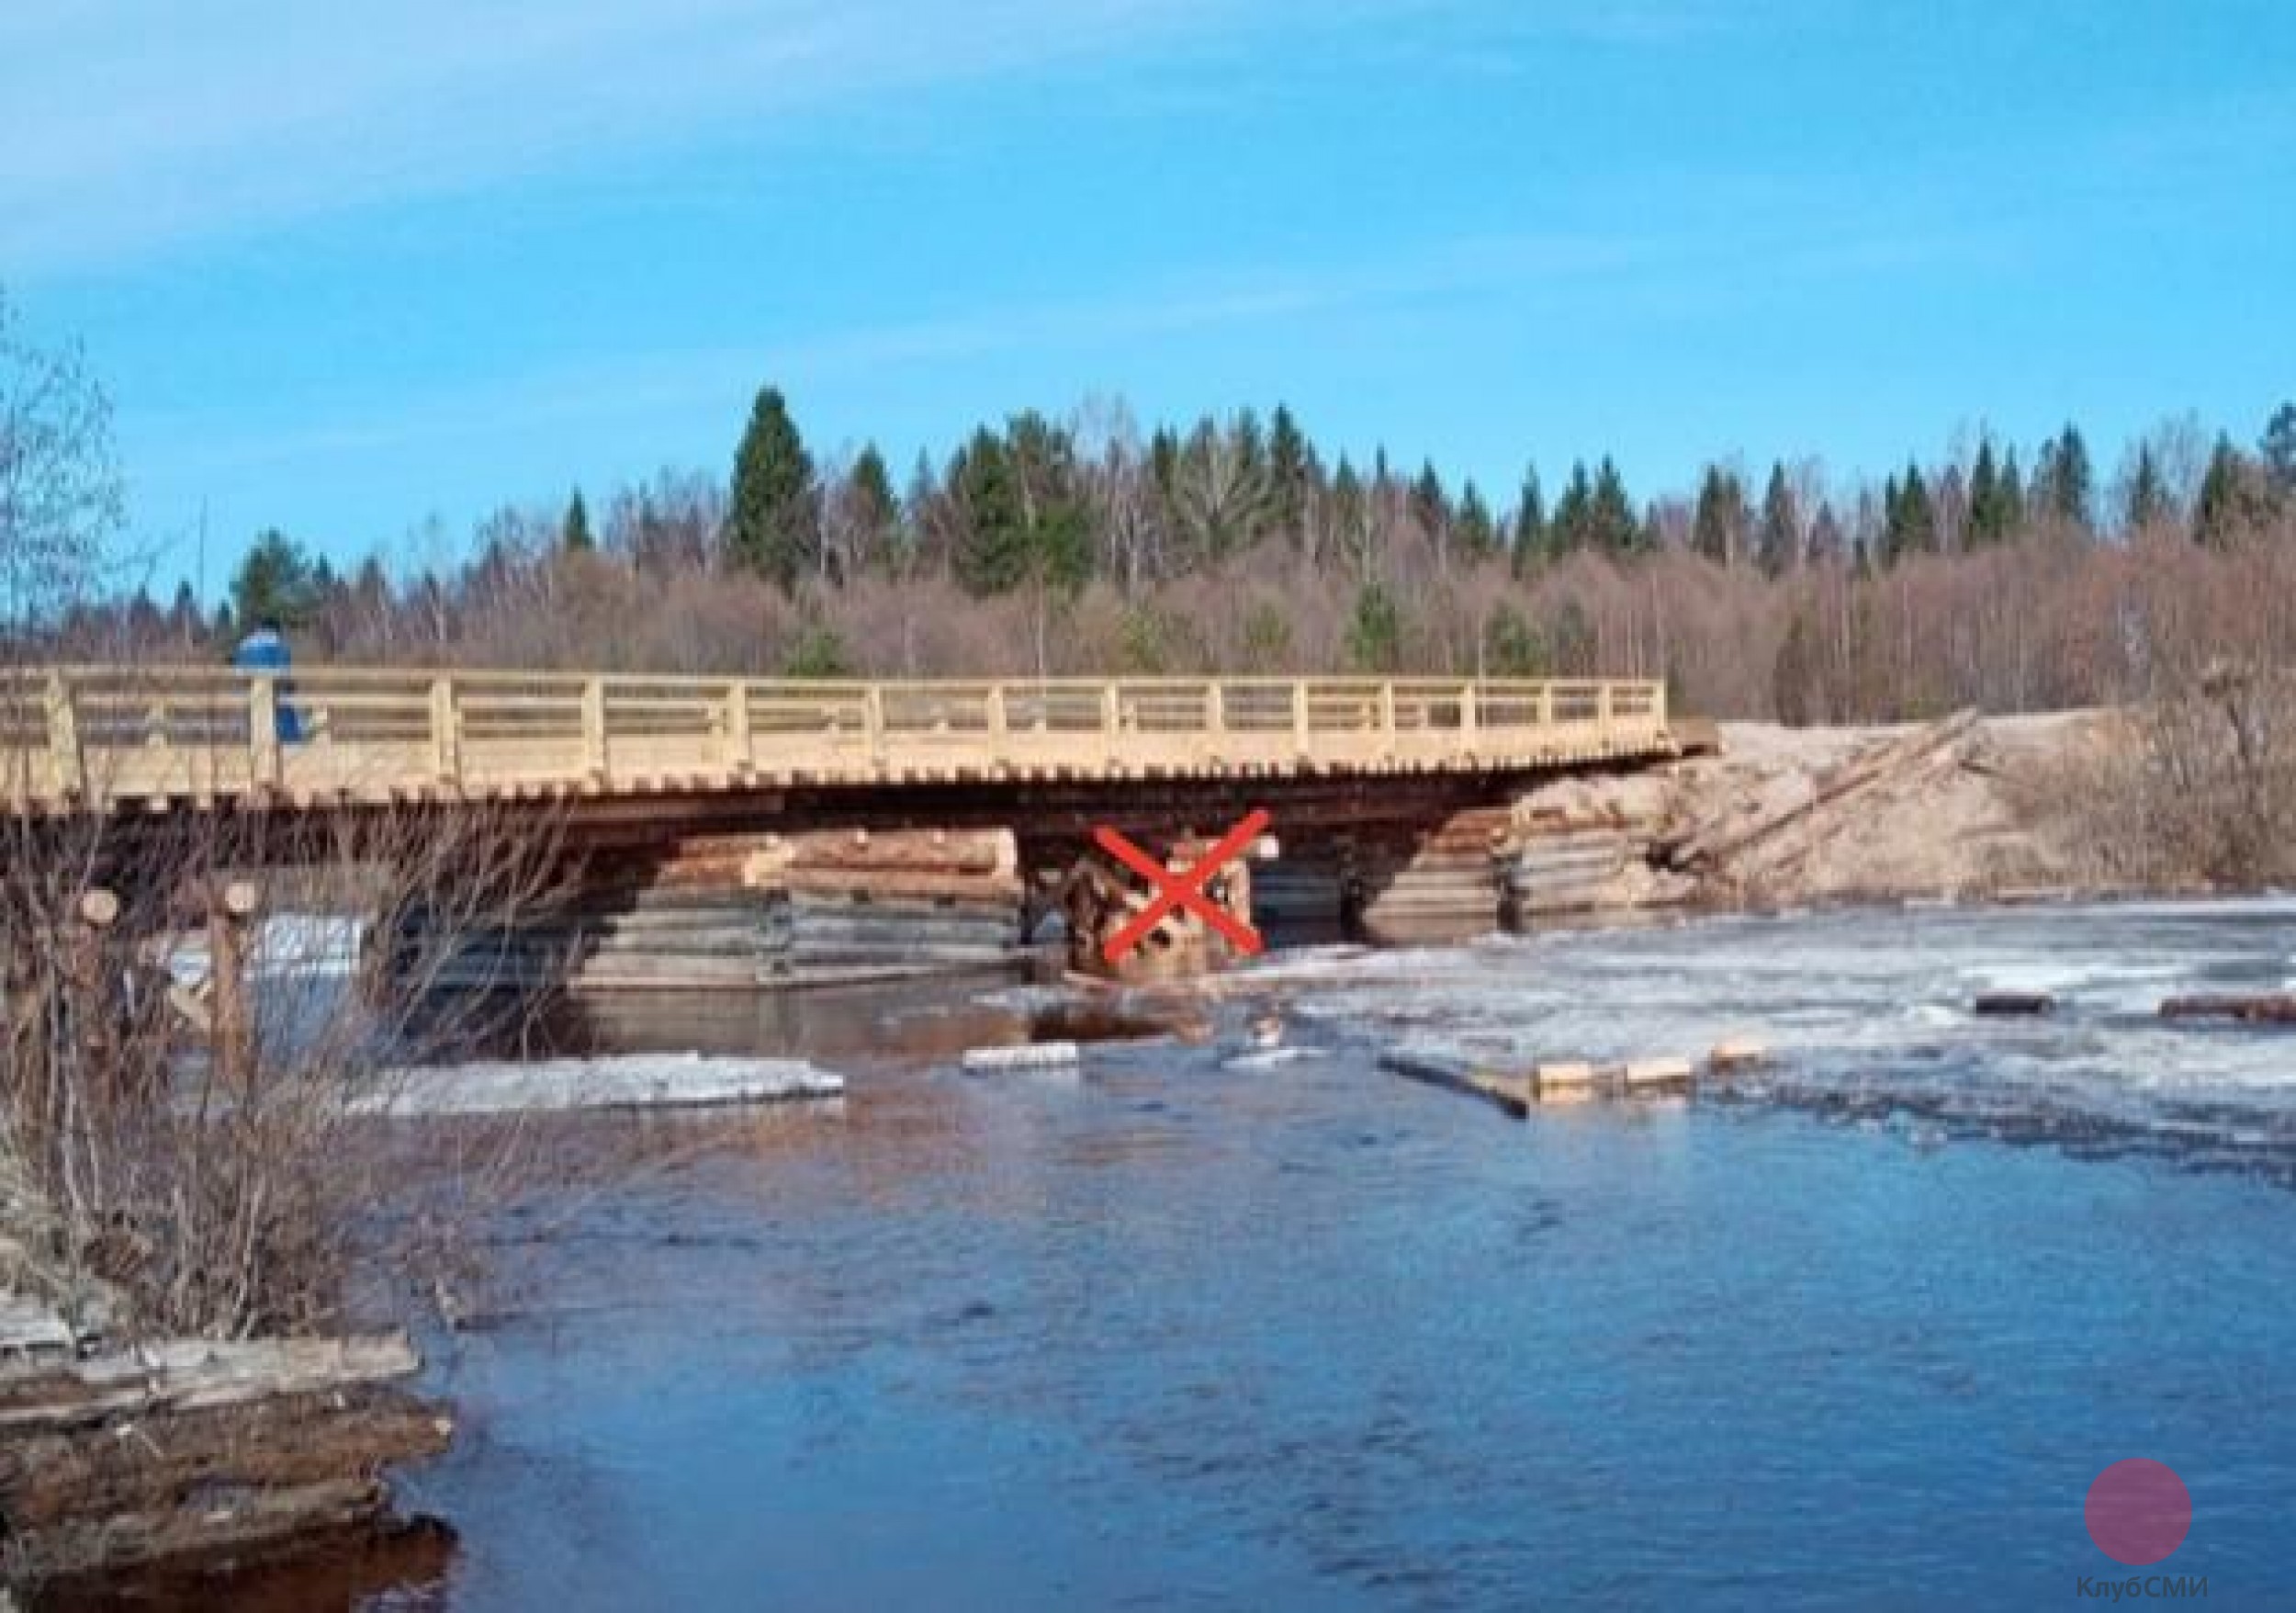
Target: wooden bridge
{"x":82,"y":739}
{"x":716,"y":827}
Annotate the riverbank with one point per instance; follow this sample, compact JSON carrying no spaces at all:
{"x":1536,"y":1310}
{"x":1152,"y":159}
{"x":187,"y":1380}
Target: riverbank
{"x":119,"y":1450}
{"x":1967,"y":808}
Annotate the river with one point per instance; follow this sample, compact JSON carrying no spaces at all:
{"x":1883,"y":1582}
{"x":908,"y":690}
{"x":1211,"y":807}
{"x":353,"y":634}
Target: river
{"x":1177,"y":1330}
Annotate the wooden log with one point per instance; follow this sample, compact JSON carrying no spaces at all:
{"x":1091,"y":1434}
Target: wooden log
{"x":1532,"y":864}
{"x":691,"y":943}
{"x":183,"y":1375}
{"x":1538,"y":841}
{"x":981,"y":851}
{"x":2269,"y":1009}
{"x":1410,"y":906}
{"x":615,"y":901}
{"x":1643,"y":1074}
{"x":1512,"y":1094}
{"x":93,"y":1472}
{"x":1594,"y":890}
{"x":1578,"y":893}
{"x":1567,"y":1081}
{"x":666,"y":928}
{"x":957,"y":886}
{"x":2009,"y":1004}
{"x":1736,"y":1053}
{"x":237,"y":1521}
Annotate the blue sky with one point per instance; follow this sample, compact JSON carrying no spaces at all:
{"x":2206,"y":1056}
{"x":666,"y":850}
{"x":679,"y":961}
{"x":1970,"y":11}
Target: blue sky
{"x":346,"y":272}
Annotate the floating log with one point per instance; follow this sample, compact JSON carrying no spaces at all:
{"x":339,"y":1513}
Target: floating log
{"x":2012,"y":1004}
{"x":2272,"y":1008}
{"x":1027,"y":1055}
{"x":1510,"y":1094}
{"x":1641,"y":1074}
{"x":1572,"y":1081}
{"x":1736,"y":1053}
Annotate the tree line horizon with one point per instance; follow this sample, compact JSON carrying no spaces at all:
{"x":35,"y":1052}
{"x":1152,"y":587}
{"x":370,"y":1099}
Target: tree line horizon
{"x":2007,"y":576}
{"x":1040,"y":501}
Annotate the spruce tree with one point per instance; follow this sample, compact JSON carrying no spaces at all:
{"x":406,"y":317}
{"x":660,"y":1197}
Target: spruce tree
{"x":1717,"y":527}
{"x":1826,"y":541}
{"x":1778,"y":547}
{"x":574,"y":532}
{"x":1908,"y":517}
{"x":2236,"y":498}
{"x":2145,"y":503}
{"x":1430,"y":509}
{"x":1351,"y":519}
{"x":1020,"y":519}
{"x":1985,"y":499}
{"x":1375,"y":632}
{"x":1510,"y":646}
{"x":1478,"y":534}
{"x":2279,"y":448}
{"x":2010,"y":494}
{"x":1574,"y":513}
{"x":2071,"y":479}
{"x":1533,"y":541}
{"x":877,"y":513}
{"x":1919,"y":514}
{"x":992,"y":538}
{"x":1290,"y":474}
{"x":1611,"y":515}
{"x":277,"y":581}
{"x":770,"y":527}
{"x":182,"y":615}
{"x":1650,"y":536}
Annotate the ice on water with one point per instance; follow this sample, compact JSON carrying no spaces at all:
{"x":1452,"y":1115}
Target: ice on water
{"x":1872,"y":1004}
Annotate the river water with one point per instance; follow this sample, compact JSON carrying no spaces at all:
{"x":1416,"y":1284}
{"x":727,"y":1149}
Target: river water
{"x":1181,"y":1330}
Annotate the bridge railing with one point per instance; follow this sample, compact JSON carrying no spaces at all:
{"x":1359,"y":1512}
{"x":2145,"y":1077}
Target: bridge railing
{"x":74,"y":737}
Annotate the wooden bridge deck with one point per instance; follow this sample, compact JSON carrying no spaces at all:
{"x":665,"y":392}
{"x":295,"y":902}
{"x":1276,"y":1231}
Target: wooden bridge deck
{"x":80,"y":739}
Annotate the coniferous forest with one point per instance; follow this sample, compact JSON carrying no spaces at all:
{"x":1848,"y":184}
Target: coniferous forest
{"x":2010,"y":577}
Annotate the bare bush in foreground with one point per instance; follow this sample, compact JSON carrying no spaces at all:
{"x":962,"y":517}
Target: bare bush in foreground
{"x":199,"y":1011}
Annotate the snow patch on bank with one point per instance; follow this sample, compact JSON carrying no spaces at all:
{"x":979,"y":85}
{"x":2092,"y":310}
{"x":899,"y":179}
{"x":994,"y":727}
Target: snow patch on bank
{"x":560,"y":1085}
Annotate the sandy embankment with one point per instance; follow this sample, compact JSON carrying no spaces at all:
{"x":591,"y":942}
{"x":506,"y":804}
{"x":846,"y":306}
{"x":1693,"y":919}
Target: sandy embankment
{"x":1967,"y":808}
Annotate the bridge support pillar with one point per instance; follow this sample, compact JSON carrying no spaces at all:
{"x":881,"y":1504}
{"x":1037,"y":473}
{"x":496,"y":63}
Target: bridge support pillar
{"x":733,"y":912}
{"x":1101,"y":898}
{"x":1437,"y":882}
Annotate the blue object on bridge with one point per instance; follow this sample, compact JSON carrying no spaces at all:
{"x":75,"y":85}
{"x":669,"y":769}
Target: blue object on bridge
{"x":265,"y":651}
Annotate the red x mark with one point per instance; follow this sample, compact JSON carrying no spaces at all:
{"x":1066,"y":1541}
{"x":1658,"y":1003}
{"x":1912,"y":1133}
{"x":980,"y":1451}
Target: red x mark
{"x":1183,"y":890}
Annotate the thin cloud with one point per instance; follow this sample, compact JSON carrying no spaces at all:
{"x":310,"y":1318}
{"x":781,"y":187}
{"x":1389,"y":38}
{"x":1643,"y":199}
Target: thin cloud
{"x":1654,"y":272}
{"x":134,"y":124}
